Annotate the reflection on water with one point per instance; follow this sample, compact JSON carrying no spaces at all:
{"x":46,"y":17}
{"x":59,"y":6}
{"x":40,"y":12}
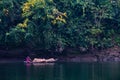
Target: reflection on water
{"x":43,"y":64}
{"x":60,"y":71}
{"x":40,"y":71}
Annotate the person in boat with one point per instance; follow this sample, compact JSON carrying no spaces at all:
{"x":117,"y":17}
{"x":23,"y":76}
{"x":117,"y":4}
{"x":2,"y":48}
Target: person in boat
{"x":28,"y":59}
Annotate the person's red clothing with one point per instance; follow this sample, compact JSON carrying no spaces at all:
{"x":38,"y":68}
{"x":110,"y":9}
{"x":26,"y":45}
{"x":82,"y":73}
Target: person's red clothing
{"x":28,"y":59}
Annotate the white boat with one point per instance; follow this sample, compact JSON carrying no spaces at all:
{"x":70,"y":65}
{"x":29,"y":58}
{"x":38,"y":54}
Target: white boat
{"x":42,"y":60}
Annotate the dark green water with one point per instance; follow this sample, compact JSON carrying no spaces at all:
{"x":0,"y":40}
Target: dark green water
{"x":60,"y":71}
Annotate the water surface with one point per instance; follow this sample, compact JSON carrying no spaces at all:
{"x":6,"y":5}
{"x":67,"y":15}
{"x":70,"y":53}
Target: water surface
{"x":59,"y":71}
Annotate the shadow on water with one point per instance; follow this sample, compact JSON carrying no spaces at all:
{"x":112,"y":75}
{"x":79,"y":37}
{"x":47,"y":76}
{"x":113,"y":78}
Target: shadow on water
{"x":60,"y":71}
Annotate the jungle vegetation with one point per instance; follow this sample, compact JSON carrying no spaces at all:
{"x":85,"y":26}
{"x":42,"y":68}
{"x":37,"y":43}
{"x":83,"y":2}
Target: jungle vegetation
{"x":60,"y":24}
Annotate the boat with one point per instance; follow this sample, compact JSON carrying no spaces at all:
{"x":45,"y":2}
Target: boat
{"x":42,"y":60}
{"x":39,"y":60}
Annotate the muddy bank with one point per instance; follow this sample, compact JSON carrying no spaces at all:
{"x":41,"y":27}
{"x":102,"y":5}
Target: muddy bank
{"x":107,"y":55}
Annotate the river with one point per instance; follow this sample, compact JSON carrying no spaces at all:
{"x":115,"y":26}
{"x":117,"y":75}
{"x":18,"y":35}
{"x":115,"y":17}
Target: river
{"x":59,"y":71}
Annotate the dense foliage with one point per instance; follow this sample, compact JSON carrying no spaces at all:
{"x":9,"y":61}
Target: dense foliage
{"x":59,"y":24}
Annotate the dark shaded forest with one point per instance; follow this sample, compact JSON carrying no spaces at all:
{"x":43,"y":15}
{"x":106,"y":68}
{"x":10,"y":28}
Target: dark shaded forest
{"x":56,"y":26}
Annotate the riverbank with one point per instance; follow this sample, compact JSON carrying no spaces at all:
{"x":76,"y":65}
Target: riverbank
{"x":106,"y":55}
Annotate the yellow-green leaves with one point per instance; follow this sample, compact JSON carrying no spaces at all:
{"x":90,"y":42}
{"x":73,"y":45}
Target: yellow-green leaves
{"x":44,"y":10}
{"x":24,"y":24}
{"x":58,"y":16}
{"x":30,"y":5}
{"x":95,"y":31}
